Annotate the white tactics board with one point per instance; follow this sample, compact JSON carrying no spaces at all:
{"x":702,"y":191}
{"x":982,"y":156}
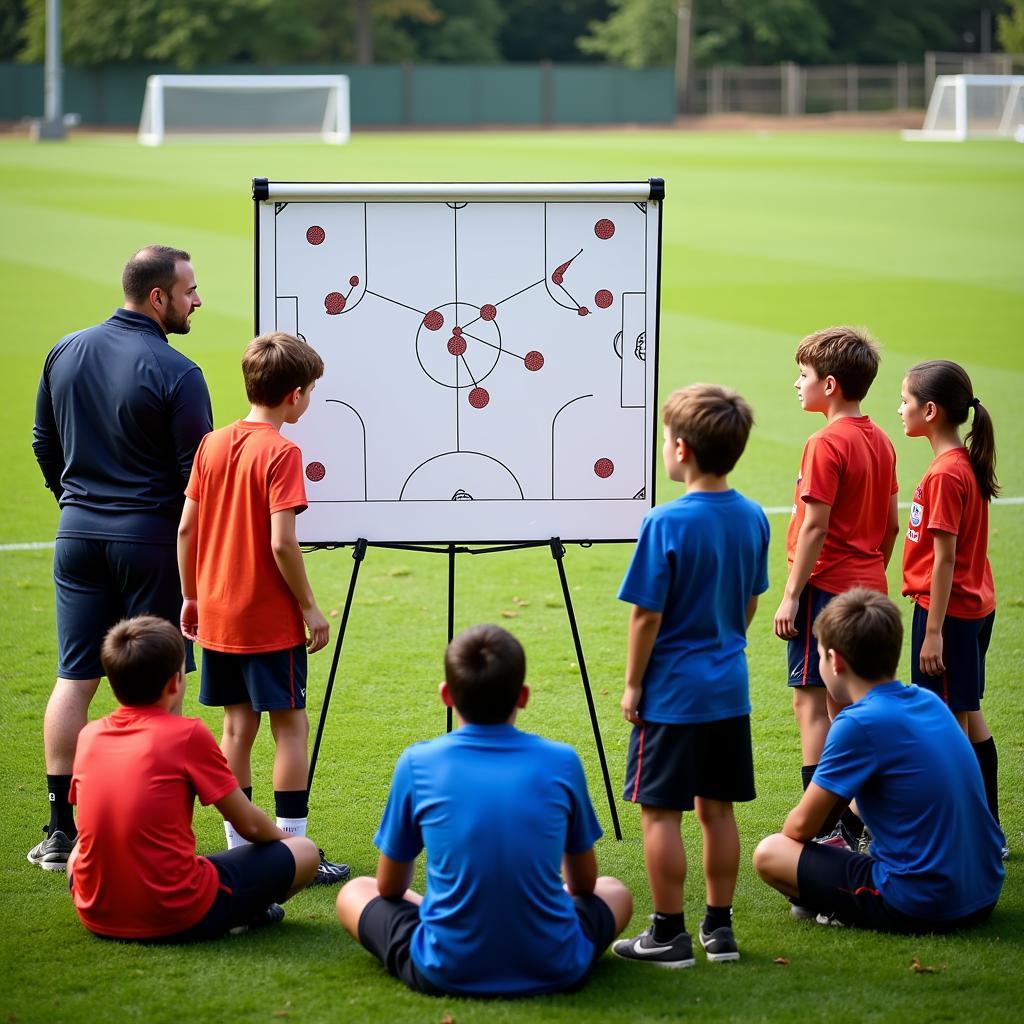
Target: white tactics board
{"x":490,"y":354}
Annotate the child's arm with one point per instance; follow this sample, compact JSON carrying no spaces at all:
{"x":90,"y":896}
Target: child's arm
{"x":393,"y":877}
{"x":643,"y":630}
{"x":249,"y":821}
{"x":938,"y":601}
{"x":288,"y":556}
{"x":816,"y":806}
{"x":580,"y":872}
{"x":187,"y":568}
{"x":809,"y":542}
{"x":892,"y":529}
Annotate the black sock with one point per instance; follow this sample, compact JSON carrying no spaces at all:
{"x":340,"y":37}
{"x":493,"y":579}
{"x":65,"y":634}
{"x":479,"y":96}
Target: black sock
{"x":852,"y":823}
{"x":716,"y":917}
{"x":668,"y":926}
{"x":988,"y":762}
{"x":247,"y":790}
{"x":807,"y":773}
{"x":291,"y":803}
{"x":62,"y":818}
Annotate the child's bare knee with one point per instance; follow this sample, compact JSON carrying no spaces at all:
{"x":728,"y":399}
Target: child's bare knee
{"x":764,"y":856}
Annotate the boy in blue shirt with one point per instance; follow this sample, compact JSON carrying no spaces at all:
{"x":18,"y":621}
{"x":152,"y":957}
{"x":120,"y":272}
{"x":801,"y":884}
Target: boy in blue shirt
{"x":935,"y":862}
{"x":500,"y":812}
{"x":700,"y":563}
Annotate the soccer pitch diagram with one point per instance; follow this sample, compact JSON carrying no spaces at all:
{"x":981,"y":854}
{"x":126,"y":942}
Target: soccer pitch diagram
{"x":490,"y":356}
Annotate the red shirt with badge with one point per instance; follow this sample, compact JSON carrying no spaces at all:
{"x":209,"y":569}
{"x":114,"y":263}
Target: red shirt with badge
{"x":137,"y":772}
{"x":849,"y":465}
{"x":949,"y":500}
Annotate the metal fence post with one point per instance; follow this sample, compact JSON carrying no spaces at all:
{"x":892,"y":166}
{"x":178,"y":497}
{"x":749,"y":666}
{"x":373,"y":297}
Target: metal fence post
{"x":792,"y":74}
{"x":851,"y":86}
{"x":716,"y":90}
{"x":902,"y":86}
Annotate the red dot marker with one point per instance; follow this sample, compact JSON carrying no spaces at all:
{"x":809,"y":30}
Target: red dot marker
{"x":315,"y":234}
{"x":433,"y":321}
{"x":604,"y":228}
{"x":479,"y":397}
{"x":603,"y":298}
{"x":533,"y":360}
{"x":457,"y":331}
{"x":583,"y":311}
{"x":488,"y":312}
{"x":316,"y":471}
{"x":456,"y":346}
{"x":334,"y":303}
{"x":353,"y":281}
{"x":604,"y":468}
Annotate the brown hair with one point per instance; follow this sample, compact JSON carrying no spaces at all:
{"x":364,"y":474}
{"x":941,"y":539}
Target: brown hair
{"x":845,"y":353}
{"x":714,"y":421}
{"x":276,"y":363}
{"x":154,"y":266}
{"x":947,"y":385}
{"x":865,"y":628}
{"x":484,"y":667}
{"x":139,"y":655}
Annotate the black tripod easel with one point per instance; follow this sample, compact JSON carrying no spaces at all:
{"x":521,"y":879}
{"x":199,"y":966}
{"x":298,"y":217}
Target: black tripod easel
{"x":451,"y":550}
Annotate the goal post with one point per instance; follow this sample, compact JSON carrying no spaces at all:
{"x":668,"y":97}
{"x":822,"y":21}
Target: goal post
{"x":972,"y":106}
{"x":264,"y":107}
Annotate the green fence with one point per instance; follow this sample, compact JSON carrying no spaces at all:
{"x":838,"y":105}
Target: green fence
{"x":396,"y":95}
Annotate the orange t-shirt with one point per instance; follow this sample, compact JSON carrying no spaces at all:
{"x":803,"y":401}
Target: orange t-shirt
{"x":849,"y":465}
{"x":242,"y":474}
{"x":949,"y":499}
{"x":136,"y":776}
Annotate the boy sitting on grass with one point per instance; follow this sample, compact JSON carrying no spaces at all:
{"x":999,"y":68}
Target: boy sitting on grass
{"x":935,"y":862}
{"x":134,"y":873}
{"x":499,"y":812}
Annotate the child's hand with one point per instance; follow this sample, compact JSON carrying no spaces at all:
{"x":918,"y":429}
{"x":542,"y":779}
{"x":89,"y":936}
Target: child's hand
{"x":319,"y":629}
{"x":630,"y":702}
{"x":785,"y":618}
{"x":931,"y":655}
{"x":189,"y":618}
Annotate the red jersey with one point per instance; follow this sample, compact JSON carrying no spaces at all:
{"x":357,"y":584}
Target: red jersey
{"x":136,"y":776}
{"x":849,"y":465}
{"x":241,"y":475}
{"x":949,"y":499}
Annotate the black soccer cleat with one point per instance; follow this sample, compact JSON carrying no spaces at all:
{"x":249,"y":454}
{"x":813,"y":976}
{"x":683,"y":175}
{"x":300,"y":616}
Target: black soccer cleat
{"x":53,"y":852}
{"x":329,"y":873}
{"x":720,"y":946}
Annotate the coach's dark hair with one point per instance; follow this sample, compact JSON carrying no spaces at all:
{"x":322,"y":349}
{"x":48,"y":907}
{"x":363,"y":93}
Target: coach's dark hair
{"x":947,"y":385}
{"x":139,"y":655}
{"x":154,"y":266}
{"x":865,"y":628}
{"x":484,"y":667}
{"x":275,"y":364}
{"x":845,"y":353}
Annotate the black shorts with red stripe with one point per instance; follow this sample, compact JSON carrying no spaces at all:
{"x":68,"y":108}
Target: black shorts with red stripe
{"x":964,"y":647}
{"x":268,"y":680}
{"x":802,"y":650}
{"x":670,"y":764}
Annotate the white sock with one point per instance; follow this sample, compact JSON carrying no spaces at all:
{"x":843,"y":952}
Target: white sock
{"x":293,"y":826}
{"x":234,"y":839}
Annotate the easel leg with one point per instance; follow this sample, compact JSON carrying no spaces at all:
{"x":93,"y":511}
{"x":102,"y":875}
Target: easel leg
{"x":558,"y":553}
{"x":358,"y":553}
{"x":451,"y":613}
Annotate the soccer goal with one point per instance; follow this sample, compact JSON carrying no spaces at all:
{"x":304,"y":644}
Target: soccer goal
{"x":292,"y":107}
{"x":973,"y":106}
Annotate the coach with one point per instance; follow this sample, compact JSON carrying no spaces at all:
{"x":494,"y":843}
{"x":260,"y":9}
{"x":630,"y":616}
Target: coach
{"x":119,"y":415}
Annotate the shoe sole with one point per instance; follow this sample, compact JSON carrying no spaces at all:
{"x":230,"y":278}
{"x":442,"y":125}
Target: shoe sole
{"x":723,"y":958}
{"x":672,"y":965}
{"x":48,"y":865}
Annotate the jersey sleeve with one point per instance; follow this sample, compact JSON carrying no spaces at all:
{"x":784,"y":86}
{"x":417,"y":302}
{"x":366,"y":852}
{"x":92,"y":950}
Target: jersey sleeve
{"x":46,"y":443}
{"x":820,"y":472}
{"x":761,"y":576}
{"x":206,"y":767}
{"x":583,"y":829}
{"x":194,"y":487}
{"x":285,"y":486}
{"x":945,"y":500}
{"x":399,"y":835}
{"x":648,"y":579}
{"x":191,"y":418}
{"x":848,"y":759}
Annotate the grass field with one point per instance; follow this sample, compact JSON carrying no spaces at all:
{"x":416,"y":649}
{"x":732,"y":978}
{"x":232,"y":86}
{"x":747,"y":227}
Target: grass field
{"x":767,"y":236}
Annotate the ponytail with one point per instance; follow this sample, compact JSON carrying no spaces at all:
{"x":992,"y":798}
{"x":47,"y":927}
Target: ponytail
{"x":947,"y":385}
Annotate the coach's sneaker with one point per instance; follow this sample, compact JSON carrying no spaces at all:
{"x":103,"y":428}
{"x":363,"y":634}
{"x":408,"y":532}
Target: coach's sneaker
{"x":53,"y":852}
{"x":677,"y":952}
{"x":273,"y":913}
{"x":329,"y":873}
{"x":720,"y":946}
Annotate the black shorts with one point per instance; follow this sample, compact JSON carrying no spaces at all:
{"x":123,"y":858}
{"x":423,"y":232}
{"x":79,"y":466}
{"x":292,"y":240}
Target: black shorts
{"x":802,"y":650}
{"x":832,"y":880}
{"x":269,"y":681}
{"x":668,"y":765}
{"x":964,"y":646}
{"x":386,"y":928}
{"x":100,"y":582}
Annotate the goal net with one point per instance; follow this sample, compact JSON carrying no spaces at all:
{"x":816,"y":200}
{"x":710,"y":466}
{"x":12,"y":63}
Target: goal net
{"x":266,"y":107}
{"x":973,"y":106}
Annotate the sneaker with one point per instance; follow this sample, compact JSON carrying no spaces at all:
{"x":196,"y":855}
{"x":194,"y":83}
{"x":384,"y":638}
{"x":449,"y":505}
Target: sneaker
{"x":53,"y":852}
{"x":799,"y":913}
{"x":720,"y":946}
{"x":676,"y":953}
{"x":864,"y":843}
{"x":1004,"y":853}
{"x":273,"y":913}
{"x":836,"y":839}
{"x":830,"y":919}
{"x":329,"y":873}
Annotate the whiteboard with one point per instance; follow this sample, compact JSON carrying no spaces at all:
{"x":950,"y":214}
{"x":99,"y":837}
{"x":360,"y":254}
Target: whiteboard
{"x":490,"y":355}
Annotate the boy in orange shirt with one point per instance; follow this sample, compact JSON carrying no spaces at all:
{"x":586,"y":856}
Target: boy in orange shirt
{"x":247,"y":600}
{"x":844,"y":522}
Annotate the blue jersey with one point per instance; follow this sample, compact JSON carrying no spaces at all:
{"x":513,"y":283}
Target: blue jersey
{"x":496,"y":809}
{"x":698,"y":561}
{"x":936,"y":848}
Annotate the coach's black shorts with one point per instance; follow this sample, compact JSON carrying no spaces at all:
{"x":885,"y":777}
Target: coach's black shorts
{"x":802,"y":650}
{"x":668,"y":765}
{"x":964,"y":646}
{"x":269,"y":681}
{"x":386,"y":928}
{"x":832,"y":880}
{"x":100,"y":582}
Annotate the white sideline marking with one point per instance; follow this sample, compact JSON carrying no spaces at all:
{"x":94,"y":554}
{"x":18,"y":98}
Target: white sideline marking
{"x":772,"y":510}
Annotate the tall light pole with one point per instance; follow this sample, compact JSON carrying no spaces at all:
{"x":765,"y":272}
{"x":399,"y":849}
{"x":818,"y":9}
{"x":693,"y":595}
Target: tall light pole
{"x":51,"y":128}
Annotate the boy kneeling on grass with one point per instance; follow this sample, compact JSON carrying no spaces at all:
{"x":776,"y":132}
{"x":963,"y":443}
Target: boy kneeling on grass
{"x":134,"y":873}
{"x":499,"y":811}
{"x":935,"y":862}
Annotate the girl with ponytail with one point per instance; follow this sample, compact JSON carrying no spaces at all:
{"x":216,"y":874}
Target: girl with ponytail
{"x":946,"y":571}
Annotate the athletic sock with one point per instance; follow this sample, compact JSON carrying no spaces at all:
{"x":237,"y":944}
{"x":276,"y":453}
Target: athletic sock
{"x":668,"y":926}
{"x":807,"y":773}
{"x":716,"y":917}
{"x":232,"y":836}
{"x":988,"y":762}
{"x":62,"y":817}
{"x":247,"y":790}
{"x":292,"y":809}
{"x":852,"y":824}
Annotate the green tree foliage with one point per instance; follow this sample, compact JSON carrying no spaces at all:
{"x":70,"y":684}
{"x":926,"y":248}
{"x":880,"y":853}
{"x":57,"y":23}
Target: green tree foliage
{"x":542,"y":30}
{"x":466,"y":32}
{"x":638,"y":34}
{"x":1010,"y":28}
{"x":12,"y":17}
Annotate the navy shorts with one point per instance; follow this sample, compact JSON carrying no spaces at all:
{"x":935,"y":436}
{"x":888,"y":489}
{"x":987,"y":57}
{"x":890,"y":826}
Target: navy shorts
{"x":802,"y":650}
{"x":964,"y":646}
{"x":269,"y":681}
{"x":832,"y":880}
{"x":386,"y":928}
{"x":100,"y":582}
{"x":668,"y":765}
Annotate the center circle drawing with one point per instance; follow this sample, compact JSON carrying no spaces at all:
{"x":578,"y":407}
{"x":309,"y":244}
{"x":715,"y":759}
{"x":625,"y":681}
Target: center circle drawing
{"x":456,"y":346}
